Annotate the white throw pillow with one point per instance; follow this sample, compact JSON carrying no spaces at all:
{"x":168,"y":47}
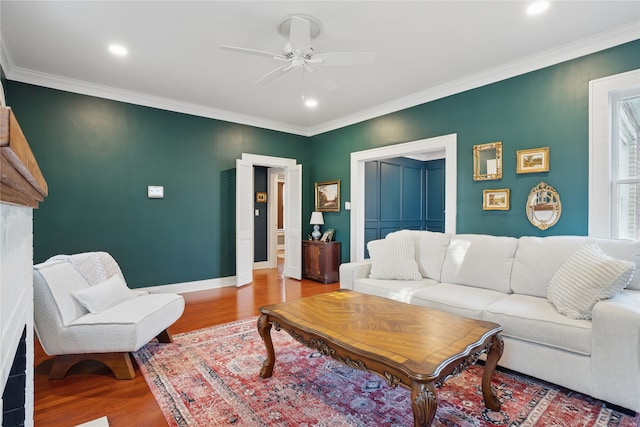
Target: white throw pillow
{"x":394,"y":259}
{"x":98,"y":298}
{"x":588,"y":276}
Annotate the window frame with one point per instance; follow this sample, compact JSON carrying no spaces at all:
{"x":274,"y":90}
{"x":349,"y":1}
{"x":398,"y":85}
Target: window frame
{"x":601,"y":94}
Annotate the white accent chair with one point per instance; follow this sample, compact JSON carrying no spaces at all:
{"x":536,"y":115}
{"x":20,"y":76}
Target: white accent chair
{"x":83,"y":310}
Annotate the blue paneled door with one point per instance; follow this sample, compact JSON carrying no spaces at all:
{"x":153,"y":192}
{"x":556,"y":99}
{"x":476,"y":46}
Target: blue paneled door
{"x":402,"y":193}
{"x":435,"y":195}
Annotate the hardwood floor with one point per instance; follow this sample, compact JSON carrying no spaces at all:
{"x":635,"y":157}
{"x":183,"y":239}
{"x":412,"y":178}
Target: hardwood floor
{"x":89,"y":391}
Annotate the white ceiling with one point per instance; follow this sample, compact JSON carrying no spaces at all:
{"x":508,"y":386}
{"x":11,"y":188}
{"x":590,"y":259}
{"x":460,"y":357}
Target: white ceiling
{"x":424,"y":50}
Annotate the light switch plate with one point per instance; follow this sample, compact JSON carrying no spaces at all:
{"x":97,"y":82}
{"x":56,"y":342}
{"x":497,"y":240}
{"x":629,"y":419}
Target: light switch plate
{"x":347,"y":205}
{"x":155,"y":192}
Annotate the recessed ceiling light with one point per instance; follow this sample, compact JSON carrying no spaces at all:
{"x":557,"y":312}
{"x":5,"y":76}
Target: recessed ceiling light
{"x":537,"y":7}
{"x":118,"y":50}
{"x":310,"y":103}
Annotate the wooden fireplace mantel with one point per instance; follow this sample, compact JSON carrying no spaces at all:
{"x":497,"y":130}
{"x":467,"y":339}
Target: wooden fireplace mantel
{"x":21,"y":181}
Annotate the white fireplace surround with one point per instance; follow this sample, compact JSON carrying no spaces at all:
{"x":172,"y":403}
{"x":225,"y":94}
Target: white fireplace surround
{"x":16,"y":294}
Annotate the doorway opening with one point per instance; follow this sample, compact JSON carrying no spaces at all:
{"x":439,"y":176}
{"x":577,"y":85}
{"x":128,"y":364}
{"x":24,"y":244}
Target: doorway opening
{"x":245,"y":214}
{"x":444,"y":147}
{"x":277,"y":218}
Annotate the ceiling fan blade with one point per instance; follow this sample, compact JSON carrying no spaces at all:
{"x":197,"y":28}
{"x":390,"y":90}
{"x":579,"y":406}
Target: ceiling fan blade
{"x":252,"y":52}
{"x":345,"y":58}
{"x":300,"y":35}
{"x":321,"y":77}
{"x":273,"y":74}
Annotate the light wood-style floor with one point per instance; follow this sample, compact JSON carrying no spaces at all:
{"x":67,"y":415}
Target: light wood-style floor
{"x":89,"y":391}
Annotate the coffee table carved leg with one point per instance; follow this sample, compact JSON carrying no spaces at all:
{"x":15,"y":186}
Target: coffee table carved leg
{"x":490,"y":399}
{"x":423,"y":403}
{"x":264,"y":328}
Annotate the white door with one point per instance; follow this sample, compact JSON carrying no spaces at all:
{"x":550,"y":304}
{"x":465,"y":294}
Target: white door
{"x":244,"y":222}
{"x":244,"y":215}
{"x":293,"y":215}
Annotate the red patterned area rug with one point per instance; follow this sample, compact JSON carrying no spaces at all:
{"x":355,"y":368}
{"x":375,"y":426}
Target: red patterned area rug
{"x":210,"y":378}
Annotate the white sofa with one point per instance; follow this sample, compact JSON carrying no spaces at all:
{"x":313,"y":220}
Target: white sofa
{"x":83,"y":310}
{"x":505,"y":280}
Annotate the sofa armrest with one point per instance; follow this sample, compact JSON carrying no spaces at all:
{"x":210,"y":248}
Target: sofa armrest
{"x":351,"y":271}
{"x":616,"y":349}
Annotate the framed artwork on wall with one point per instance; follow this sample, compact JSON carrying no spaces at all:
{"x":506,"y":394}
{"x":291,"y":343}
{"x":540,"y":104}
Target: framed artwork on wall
{"x":261,"y":197}
{"x":328,"y":196}
{"x":496,"y":200}
{"x":487,"y":161}
{"x":533,"y":160}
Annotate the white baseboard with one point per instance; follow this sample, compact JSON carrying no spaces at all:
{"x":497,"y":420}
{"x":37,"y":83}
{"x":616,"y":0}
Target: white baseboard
{"x":261,"y":265}
{"x":197,"y":285}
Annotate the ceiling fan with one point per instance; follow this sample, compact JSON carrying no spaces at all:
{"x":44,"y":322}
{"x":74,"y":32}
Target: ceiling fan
{"x":298,"y":54}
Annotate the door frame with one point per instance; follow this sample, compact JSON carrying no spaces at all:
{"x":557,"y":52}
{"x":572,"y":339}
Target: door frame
{"x":270,"y":162}
{"x":446,"y":144}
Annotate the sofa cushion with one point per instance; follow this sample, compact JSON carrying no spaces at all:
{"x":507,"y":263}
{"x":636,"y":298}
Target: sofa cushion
{"x":105,"y":294}
{"x":588,"y":276}
{"x":538,"y":258}
{"x":392,"y":289}
{"x":124,"y":327}
{"x":535,"y":320}
{"x":480,"y":260}
{"x":461,"y":300}
{"x":393,"y":259}
{"x":431,"y":248}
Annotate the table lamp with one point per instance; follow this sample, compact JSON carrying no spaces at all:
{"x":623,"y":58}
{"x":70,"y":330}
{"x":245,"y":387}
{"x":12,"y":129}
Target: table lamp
{"x":316,"y":220}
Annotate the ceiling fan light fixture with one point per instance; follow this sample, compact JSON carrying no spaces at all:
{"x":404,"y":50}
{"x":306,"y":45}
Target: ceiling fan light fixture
{"x":315,"y":25}
{"x":299,"y":55}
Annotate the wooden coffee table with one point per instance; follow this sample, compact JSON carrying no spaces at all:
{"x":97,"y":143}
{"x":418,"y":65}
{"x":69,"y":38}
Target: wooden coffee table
{"x":405,"y":344}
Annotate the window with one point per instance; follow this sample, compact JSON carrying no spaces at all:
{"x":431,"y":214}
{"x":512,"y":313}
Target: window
{"x":614,"y":156}
{"x":625,"y":153}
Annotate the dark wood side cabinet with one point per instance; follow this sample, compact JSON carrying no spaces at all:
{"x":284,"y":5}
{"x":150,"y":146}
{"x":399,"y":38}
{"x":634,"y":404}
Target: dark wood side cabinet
{"x":321,"y":261}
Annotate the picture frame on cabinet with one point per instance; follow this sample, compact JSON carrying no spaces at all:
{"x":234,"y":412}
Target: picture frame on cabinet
{"x":327,"y":236}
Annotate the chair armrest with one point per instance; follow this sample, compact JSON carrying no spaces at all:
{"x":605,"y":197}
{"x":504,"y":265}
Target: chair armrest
{"x":616,"y":349}
{"x":351,"y":271}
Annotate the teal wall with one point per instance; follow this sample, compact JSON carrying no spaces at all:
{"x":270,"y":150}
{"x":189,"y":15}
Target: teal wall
{"x":98,"y":157}
{"x":548,"y":107}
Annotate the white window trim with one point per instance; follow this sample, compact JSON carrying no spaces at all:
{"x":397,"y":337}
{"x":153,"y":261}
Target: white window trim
{"x":600,"y":93}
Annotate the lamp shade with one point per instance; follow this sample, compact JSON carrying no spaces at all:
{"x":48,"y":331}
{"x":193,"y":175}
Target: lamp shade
{"x":316,"y":218}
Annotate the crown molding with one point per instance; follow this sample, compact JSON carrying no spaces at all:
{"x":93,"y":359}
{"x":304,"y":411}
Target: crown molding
{"x":605,"y":40}
{"x":101,"y":91}
{"x":586,"y":46}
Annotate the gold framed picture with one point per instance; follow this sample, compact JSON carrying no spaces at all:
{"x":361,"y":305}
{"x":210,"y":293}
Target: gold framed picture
{"x":496,"y":200}
{"x":261,"y":197}
{"x":487,"y":161}
{"x":327,"y":236}
{"x":328,"y":196}
{"x":533,"y":160}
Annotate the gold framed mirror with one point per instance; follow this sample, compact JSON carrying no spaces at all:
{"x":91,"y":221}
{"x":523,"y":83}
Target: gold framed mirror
{"x":487,"y":161}
{"x":543,"y":206}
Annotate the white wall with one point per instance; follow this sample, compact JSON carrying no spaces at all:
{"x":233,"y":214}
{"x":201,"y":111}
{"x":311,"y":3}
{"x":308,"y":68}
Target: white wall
{"x":16,"y":293}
